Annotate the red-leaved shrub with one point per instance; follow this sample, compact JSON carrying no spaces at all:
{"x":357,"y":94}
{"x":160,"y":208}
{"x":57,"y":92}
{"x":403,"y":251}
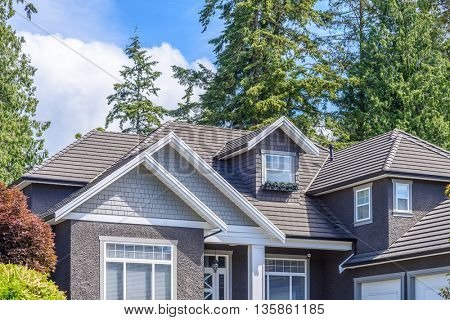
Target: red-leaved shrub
{"x":24,"y":238}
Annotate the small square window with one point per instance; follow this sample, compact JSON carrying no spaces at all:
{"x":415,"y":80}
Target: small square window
{"x":278,"y":168}
{"x":363,"y":206}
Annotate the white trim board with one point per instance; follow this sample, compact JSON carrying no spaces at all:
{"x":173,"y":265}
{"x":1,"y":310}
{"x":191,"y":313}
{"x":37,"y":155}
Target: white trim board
{"x":240,"y":235}
{"x":137,"y":220}
{"x":289,"y":128}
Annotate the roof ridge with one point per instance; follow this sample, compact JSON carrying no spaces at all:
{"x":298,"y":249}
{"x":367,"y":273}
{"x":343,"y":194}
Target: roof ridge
{"x":208,"y":126}
{"x":430,"y":146}
{"x":317,"y":173}
{"x":37,"y":167}
{"x":397,"y":138}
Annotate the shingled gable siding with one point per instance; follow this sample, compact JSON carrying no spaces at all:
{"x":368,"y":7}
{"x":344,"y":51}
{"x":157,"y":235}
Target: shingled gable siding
{"x":85,"y":256}
{"x":192,"y":179}
{"x":425,"y":196}
{"x":138,"y":194}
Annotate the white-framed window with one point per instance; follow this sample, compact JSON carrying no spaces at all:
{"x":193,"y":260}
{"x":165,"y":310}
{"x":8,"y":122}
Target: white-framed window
{"x":363,"y":204}
{"x":286,"y":278}
{"x":138,"y":271}
{"x":402,"y":196}
{"x":278,"y":167}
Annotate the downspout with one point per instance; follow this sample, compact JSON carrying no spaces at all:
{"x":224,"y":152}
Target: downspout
{"x":341,"y":268}
{"x":212,"y":234}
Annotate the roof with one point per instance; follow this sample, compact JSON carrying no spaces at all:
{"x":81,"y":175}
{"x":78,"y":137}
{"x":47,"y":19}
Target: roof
{"x":86,"y":158}
{"x":304,"y":218}
{"x":430,"y":234}
{"x":394,"y":152}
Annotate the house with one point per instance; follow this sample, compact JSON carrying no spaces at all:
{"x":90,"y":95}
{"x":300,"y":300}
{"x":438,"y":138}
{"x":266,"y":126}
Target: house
{"x":200,"y":212}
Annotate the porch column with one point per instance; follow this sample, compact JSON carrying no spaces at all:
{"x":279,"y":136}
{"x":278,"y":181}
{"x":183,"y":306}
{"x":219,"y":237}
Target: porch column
{"x":256,"y":255}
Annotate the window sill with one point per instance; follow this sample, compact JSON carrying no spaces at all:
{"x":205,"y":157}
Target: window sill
{"x":404,"y":214}
{"x":362,"y":223}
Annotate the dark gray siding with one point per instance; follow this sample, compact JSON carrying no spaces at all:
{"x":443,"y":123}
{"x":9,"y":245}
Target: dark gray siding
{"x":370,"y":237}
{"x":85,"y":256}
{"x":41,"y":197}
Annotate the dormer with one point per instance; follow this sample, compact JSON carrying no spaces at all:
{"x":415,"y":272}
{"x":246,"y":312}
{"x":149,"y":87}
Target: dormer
{"x":270,"y":160}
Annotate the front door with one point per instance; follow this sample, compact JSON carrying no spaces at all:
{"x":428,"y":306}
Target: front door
{"x":216,"y":283}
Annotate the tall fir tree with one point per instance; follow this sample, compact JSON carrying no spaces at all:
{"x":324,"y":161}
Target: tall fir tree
{"x":132,"y":104}
{"x":21,"y":141}
{"x":396,"y":67}
{"x":268,"y":63}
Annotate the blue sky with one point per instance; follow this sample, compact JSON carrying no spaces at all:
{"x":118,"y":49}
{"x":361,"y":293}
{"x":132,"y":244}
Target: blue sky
{"x":77,"y":48}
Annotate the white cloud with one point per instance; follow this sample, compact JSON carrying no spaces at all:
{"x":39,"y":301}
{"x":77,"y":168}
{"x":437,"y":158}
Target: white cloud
{"x":72,"y":92}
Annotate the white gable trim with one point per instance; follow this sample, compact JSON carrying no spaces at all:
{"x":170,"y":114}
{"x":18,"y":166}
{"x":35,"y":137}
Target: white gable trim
{"x":219,"y":182}
{"x":170,"y":181}
{"x":289,"y":128}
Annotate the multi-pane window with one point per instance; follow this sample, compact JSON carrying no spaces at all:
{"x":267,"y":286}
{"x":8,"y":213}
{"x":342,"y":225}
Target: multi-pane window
{"x":285,"y":279}
{"x":138,"y":271}
{"x":402,"y":197}
{"x":278,"y":168}
{"x":362,"y":204}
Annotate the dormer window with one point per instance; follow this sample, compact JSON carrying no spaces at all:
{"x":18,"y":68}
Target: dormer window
{"x":278,"y":167}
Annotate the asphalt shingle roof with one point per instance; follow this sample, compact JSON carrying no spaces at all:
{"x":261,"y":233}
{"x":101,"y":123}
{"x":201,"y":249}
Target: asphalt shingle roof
{"x":429,"y":234}
{"x":392,"y":152}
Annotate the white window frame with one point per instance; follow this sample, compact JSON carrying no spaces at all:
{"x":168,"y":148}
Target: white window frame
{"x":396,"y":211}
{"x":356,"y":190}
{"x":137,"y":241}
{"x":289,"y":274}
{"x":291,"y":155}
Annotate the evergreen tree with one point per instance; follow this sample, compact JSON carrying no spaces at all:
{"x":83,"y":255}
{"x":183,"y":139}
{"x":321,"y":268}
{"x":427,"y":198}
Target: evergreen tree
{"x":397,"y":70}
{"x":132,"y":104}
{"x":21,"y":142}
{"x":269,"y":64}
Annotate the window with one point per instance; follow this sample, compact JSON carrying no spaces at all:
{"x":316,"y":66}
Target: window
{"x":278,"y":168}
{"x":285,"y":279}
{"x":363,"y":207}
{"x":402,"y":196}
{"x":138,"y":271}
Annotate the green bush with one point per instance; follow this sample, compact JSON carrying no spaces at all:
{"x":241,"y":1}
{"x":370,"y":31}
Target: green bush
{"x":20,"y":283}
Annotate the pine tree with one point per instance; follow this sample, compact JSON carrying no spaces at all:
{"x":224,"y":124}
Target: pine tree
{"x":132,"y":104}
{"x":21,"y":142}
{"x":398,"y":71}
{"x":268,"y":64}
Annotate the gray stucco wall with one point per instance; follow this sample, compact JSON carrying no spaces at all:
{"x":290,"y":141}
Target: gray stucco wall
{"x":85,"y":256}
{"x":191,"y":178}
{"x":139,"y":194}
{"x":62,"y":249}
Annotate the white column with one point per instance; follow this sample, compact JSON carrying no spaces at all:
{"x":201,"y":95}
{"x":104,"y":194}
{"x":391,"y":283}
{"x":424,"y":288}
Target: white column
{"x":256,"y":255}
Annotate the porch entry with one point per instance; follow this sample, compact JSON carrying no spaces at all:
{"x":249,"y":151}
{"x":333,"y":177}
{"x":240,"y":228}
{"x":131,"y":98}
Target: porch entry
{"x":217,"y":277}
